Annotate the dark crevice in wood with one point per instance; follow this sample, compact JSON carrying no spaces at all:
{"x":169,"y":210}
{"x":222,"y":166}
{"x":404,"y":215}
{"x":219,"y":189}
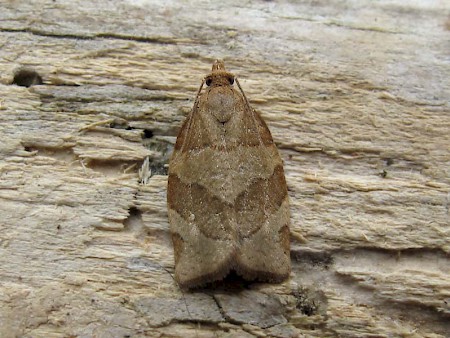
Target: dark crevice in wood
{"x":147,"y":134}
{"x":314,"y":258}
{"x":157,"y":40}
{"x":43,"y":33}
{"x":27,"y":77}
{"x":154,"y":40}
{"x":134,"y":219}
{"x":310,"y":302}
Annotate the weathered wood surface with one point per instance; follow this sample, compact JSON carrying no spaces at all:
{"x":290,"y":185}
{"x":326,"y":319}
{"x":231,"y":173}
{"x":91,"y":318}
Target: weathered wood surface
{"x":357,"y":97}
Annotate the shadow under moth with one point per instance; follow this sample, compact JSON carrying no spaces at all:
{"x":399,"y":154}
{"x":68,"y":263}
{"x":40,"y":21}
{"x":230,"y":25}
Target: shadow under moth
{"x":227,"y":197}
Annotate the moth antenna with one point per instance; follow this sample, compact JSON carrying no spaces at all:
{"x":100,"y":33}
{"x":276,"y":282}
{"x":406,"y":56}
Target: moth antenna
{"x":252,"y":112}
{"x":243,"y":94}
{"x":193,"y":110}
{"x":198,"y":93}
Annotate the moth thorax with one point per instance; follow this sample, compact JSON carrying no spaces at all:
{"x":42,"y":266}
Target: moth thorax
{"x":221,"y":104}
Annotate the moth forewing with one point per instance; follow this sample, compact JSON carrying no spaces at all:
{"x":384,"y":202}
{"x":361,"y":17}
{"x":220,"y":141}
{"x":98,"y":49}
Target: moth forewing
{"x":227,"y":197}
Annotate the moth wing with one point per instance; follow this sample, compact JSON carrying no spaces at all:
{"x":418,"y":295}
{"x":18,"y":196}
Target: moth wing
{"x":262,"y":211}
{"x":200,"y":256}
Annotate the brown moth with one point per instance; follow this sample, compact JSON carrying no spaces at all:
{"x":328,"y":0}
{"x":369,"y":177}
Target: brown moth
{"x":227,"y":196}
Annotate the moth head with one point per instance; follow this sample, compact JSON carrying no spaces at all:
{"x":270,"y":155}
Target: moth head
{"x":219,"y":75}
{"x":219,"y":79}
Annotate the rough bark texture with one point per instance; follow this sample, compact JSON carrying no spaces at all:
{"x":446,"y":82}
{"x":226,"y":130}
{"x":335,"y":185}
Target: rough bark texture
{"x":356,"y":95}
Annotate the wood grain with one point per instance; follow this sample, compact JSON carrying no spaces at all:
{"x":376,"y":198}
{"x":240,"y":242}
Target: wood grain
{"x":356,"y":96}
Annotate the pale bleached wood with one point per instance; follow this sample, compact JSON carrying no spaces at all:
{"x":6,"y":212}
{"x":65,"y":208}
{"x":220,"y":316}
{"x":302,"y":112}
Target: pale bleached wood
{"x":357,"y":97}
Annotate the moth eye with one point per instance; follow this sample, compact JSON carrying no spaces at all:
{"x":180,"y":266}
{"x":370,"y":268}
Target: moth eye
{"x":208,"y":82}
{"x":231,"y":80}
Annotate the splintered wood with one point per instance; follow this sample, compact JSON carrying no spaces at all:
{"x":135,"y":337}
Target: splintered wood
{"x":227,"y":195}
{"x":357,"y":102}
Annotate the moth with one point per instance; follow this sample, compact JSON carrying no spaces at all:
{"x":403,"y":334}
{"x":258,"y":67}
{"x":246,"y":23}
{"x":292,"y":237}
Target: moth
{"x":227,"y":197}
